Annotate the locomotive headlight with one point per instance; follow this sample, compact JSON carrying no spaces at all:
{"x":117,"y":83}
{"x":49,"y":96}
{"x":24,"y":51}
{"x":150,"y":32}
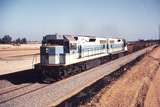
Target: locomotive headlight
{"x":46,"y":50}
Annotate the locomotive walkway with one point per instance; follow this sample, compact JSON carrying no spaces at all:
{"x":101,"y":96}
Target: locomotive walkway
{"x":56,"y":93}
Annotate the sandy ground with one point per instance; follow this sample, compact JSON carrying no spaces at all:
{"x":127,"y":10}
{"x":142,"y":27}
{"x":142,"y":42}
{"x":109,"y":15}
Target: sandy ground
{"x":22,"y":50}
{"x":18,"y":58}
{"x":21,"y":47}
{"x":138,"y":87}
{"x":153,"y":95}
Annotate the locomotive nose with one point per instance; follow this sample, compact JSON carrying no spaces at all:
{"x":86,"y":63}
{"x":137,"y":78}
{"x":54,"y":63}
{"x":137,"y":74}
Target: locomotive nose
{"x":52,"y":55}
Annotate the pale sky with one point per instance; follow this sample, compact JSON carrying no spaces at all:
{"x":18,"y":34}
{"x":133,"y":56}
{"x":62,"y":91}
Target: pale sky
{"x":130,"y":19}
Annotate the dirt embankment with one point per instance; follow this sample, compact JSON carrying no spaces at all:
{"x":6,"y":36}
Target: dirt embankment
{"x":153,"y":95}
{"x":138,"y":87}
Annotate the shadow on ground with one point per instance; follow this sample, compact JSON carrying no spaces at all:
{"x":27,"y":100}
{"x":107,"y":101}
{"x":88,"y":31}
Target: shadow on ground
{"x":27,"y":76}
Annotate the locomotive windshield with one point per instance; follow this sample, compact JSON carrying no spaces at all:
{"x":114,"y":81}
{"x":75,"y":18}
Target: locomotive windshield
{"x":73,"y":46}
{"x":56,"y":50}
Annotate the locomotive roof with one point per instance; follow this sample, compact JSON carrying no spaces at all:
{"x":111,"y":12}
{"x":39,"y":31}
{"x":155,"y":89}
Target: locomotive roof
{"x":72,"y":37}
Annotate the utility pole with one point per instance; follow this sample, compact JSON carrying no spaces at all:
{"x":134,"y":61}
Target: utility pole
{"x":159,"y":33}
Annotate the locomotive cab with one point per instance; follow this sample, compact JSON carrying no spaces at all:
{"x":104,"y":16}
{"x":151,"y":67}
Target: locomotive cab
{"x":52,"y":50}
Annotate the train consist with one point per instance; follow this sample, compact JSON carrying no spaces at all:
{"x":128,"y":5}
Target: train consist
{"x":64,"y":55}
{"x":140,"y":44}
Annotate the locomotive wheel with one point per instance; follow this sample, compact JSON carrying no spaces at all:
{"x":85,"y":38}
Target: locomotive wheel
{"x":61,"y":75}
{"x":47,"y":77}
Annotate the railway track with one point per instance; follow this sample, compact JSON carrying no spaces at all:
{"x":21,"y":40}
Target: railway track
{"x":13,"y":88}
{"x":13,"y":93}
{"x":54,"y":94}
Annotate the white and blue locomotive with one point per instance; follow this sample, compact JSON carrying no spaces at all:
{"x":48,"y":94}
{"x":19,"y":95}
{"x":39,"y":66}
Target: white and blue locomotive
{"x":63,"y":55}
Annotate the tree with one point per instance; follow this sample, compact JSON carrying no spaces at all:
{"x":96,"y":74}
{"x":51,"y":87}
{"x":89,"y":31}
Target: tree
{"x":6,"y":39}
{"x":0,"y":40}
{"x":23,"y":40}
{"x":18,"y":40}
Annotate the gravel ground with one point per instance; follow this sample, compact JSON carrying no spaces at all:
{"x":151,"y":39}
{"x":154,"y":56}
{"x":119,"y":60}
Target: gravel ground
{"x":5,"y":83}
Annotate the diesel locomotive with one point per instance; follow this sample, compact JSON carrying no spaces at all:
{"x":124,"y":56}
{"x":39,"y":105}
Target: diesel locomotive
{"x":65,"y":55}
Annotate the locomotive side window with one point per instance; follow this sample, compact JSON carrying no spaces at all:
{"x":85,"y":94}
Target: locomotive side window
{"x":73,"y":46}
{"x":76,"y":38}
{"x":125,"y":43}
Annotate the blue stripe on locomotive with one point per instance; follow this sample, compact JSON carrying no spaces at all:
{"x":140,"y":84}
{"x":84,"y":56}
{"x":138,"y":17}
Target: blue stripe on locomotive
{"x":86,"y":48}
{"x":116,"y":45}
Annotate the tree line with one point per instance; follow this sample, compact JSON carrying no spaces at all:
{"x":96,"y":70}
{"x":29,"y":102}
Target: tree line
{"x":7,"y":39}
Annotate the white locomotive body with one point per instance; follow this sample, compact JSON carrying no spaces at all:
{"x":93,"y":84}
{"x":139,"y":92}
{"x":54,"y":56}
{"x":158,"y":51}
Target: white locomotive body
{"x":68,"y":49}
{"x":63,"y":54}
